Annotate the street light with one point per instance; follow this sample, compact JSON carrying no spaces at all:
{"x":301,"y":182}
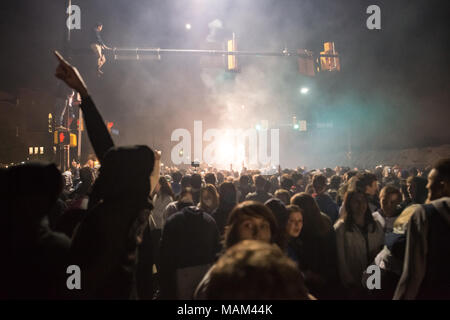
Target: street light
{"x":188,"y":26}
{"x":304,"y":90}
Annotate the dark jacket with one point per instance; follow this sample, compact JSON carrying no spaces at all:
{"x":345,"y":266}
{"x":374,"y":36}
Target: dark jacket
{"x":190,"y":238}
{"x":106,"y":242}
{"x":317,"y":255}
{"x":38,"y":268}
{"x":328,"y":206}
{"x":260,"y":196}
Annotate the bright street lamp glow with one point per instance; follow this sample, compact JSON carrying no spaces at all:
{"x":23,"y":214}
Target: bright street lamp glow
{"x":188,"y":26}
{"x":304,"y":90}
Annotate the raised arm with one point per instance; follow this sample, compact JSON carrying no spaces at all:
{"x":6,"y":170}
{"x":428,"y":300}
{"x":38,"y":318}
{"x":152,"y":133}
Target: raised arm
{"x":95,"y":126}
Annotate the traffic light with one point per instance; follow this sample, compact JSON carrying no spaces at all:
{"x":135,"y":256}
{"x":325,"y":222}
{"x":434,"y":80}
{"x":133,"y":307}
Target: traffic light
{"x":306,"y":63}
{"x":232,"y":59}
{"x":64,"y":138}
{"x":329,"y":63}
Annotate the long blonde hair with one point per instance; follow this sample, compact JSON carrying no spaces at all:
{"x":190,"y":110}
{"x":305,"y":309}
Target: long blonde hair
{"x":401,"y":222}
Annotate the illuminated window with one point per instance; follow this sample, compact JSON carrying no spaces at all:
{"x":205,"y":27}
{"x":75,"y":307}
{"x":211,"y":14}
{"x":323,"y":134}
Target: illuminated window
{"x":41,"y":150}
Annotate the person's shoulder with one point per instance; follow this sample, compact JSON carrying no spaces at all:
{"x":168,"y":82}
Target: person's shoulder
{"x":339,"y":225}
{"x":441,"y":202}
{"x":53,"y":240}
{"x":377,"y":215}
{"x":250,"y":196}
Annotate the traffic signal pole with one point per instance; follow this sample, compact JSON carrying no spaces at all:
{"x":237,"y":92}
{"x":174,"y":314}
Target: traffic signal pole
{"x":127,"y":52}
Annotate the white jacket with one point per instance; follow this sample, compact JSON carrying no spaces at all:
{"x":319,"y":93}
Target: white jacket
{"x":352,"y":254}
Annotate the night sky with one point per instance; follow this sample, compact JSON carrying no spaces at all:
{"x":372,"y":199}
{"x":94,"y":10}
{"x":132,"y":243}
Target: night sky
{"x":393,"y":89}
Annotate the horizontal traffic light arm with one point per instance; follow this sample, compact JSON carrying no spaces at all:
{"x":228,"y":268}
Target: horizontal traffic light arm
{"x":157,"y":51}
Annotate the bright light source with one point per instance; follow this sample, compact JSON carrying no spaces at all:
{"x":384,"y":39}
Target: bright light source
{"x":296,"y":126}
{"x":258,"y":127}
{"x":188,"y":26}
{"x":304,"y":90}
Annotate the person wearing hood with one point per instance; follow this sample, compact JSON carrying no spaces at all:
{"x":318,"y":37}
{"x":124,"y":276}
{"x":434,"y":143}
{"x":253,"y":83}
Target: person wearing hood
{"x":105,"y":244}
{"x":427,"y":256}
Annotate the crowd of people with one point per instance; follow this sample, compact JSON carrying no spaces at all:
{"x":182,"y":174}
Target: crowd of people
{"x":137,"y":233}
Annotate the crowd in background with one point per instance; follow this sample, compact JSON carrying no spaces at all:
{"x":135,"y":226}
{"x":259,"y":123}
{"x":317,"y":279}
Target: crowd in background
{"x":203,"y":233}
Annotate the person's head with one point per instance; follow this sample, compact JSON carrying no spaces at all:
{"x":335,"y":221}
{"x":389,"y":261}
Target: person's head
{"x":356,"y":205}
{"x":260,"y":182}
{"x":309,"y":189}
{"x":87,"y":176}
{"x":283,"y":195}
{"x":439,"y":180}
{"x":254,"y":270}
{"x":281,"y":215}
{"x":286,"y":182}
{"x":413,"y":172}
{"x":185,"y":181}
{"x":294,"y":224}
{"x":349,"y":174}
{"x":220,"y":178}
{"x":125,"y":183}
{"x":209,"y":198}
{"x":319,"y":183}
{"x":74,"y":164}
{"x":269,"y":186}
{"x":297,"y":178}
{"x":227,"y":194}
{"x":210,"y":178}
{"x":99,"y":26}
{"x":244,"y":181}
{"x":315,"y":224}
{"x":196,"y":181}
{"x":177,"y":176}
{"x":335,"y":182}
{"x":164,"y":187}
{"x":390,"y":198}
{"x":91,"y":161}
{"x":417,"y":189}
{"x":250,"y":220}
{"x":364,"y":182}
{"x":186,"y":196}
{"x":33,"y":189}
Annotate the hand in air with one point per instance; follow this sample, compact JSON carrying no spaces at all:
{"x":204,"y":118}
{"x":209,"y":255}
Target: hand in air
{"x":70,"y":75}
{"x":157,"y":155}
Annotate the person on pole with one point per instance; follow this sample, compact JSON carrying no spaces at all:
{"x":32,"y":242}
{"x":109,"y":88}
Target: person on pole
{"x":98,"y":46}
